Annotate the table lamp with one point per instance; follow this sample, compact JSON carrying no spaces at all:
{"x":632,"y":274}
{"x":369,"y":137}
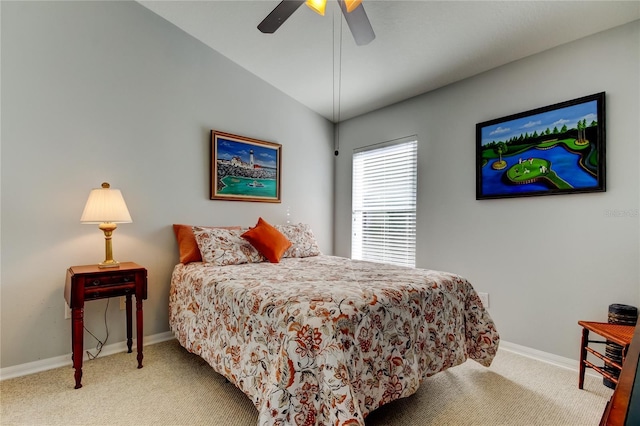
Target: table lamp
{"x":106,"y":207}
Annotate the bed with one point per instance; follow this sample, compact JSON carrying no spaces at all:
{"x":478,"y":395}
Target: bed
{"x":317,"y":339}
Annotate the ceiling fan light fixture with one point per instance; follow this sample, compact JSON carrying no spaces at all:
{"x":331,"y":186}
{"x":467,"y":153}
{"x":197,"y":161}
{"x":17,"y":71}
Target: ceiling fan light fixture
{"x":352,"y":4}
{"x":357,"y":19}
{"x":318,"y":6}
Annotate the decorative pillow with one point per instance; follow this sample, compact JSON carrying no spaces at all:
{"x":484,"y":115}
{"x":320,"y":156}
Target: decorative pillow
{"x":222,"y":247}
{"x":303,"y":242}
{"x":187,"y":246}
{"x":270,"y":242}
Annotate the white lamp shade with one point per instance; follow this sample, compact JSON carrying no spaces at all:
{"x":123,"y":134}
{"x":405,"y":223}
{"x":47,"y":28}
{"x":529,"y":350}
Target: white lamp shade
{"x":105,"y":205}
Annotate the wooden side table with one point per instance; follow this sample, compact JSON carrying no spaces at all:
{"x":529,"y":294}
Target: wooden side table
{"x":620,"y":334}
{"x":89,"y":282}
{"x":624,"y":406}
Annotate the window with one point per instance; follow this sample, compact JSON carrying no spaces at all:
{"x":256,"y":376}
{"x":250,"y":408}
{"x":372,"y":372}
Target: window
{"x":384,"y":203}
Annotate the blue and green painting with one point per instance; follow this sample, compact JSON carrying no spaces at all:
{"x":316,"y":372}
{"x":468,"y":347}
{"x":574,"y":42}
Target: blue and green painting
{"x":246,"y":169}
{"x":551,"y":151}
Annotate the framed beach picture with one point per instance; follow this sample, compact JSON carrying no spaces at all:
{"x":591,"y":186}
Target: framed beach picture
{"x":244,"y":169}
{"x":557,"y":149}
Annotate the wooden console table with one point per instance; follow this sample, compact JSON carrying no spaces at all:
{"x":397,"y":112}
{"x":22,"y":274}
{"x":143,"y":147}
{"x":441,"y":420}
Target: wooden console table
{"x":89,"y":282}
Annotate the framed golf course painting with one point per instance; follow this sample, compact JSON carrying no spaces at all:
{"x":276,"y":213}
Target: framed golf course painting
{"x":244,"y":169}
{"x":558,"y":149}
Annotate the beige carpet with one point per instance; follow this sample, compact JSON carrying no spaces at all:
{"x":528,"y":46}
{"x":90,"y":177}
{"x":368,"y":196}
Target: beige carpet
{"x":178,"y":388}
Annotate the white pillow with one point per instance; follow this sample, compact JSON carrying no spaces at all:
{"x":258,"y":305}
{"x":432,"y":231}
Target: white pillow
{"x":222,"y":247}
{"x":303,"y":242}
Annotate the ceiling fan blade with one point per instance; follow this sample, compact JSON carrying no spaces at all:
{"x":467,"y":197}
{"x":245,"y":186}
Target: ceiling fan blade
{"x":359,"y":24}
{"x":278,"y":15}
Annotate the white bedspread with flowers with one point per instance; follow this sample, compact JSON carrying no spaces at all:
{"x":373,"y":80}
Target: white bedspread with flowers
{"x":325,"y":340}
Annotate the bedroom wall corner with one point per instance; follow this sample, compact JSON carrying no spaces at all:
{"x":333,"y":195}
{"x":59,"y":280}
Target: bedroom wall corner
{"x":546,"y":262}
{"x":109,"y":91}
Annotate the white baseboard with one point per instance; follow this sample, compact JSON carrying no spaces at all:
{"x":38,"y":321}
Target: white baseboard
{"x":558,"y":361}
{"x":63,"y":360}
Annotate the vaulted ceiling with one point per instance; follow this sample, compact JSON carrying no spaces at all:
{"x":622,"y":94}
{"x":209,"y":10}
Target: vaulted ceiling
{"x":419,"y":45}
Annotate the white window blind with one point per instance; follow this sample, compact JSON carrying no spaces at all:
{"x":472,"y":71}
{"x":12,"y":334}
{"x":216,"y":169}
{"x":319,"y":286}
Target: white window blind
{"x":384,"y":204}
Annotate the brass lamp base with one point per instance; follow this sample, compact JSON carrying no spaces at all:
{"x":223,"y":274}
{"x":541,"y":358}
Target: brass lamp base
{"x":108,"y":228}
{"x":109,"y":264}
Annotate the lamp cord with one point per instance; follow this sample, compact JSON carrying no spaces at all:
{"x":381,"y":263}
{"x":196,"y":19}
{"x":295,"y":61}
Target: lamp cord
{"x":100,"y":344}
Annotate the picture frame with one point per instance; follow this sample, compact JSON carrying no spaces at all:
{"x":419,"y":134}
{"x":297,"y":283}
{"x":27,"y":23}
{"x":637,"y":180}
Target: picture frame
{"x":244,"y":169}
{"x":557,"y":149}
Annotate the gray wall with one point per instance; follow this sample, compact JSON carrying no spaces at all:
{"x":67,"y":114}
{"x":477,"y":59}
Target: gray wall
{"x":546,"y":262}
{"x":108,"y":91}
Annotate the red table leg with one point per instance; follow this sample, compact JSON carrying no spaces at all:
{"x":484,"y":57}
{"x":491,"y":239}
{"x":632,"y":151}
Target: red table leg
{"x":77,"y":336}
{"x":129,"y":327}
{"x":139,"y":329}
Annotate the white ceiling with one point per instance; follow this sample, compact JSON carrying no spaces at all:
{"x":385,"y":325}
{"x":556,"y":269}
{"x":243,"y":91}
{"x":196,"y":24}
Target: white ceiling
{"x":419,"y":46}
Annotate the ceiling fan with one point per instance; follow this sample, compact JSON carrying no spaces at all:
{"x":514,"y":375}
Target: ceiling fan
{"x":352,"y":10}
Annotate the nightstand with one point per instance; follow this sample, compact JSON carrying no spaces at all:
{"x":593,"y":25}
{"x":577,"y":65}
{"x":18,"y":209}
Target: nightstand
{"x":89,"y":282}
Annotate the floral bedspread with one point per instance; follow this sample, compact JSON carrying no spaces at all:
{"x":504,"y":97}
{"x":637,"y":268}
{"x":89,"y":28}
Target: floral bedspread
{"x":325,"y":340}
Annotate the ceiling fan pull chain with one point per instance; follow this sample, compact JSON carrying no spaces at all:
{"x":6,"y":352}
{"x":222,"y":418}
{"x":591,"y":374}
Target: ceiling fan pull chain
{"x":336,"y":119}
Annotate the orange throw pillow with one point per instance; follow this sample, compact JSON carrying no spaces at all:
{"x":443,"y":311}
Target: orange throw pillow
{"x":187,"y":246}
{"x":270,"y":242}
